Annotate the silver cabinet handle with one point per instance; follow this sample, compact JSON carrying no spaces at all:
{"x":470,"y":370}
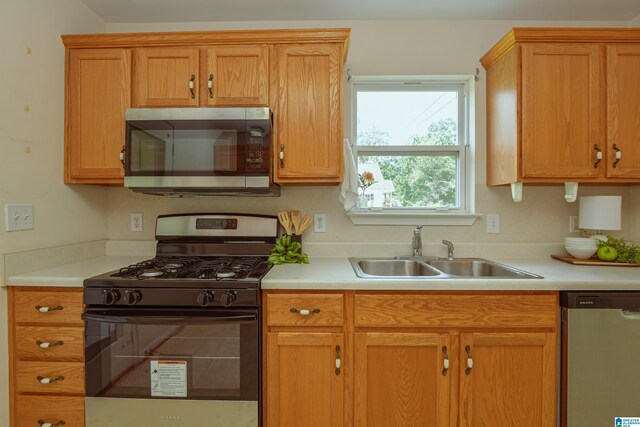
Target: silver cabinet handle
{"x":210,"y":85}
{"x":469,"y":360}
{"x":338,"y":362}
{"x":304,"y":312}
{"x":122,"y":156}
{"x":42,"y":309}
{"x":446,"y":361}
{"x":192,"y":85}
{"x":45,"y":380}
{"x":43,"y":424}
{"x":43,"y":344}
{"x":618,"y":155}
{"x":598,"y":156}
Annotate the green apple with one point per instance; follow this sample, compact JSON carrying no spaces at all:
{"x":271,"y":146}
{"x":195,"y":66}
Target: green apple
{"x":607,"y":253}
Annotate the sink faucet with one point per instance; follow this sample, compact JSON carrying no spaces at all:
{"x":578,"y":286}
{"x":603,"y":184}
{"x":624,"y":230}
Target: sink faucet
{"x":449,"y":249}
{"x":417,"y":241}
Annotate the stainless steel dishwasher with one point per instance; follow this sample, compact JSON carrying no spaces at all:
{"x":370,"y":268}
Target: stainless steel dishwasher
{"x":600,"y":357}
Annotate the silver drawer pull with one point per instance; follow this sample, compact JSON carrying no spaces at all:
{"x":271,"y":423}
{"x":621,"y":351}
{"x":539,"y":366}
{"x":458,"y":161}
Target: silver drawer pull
{"x":338,"y":360}
{"x":304,"y":312}
{"x":469,"y":360}
{"x":44,"y":380}
{"x":43,"y":424}
{"x":48,"y":344}
{"x":42,"y":309}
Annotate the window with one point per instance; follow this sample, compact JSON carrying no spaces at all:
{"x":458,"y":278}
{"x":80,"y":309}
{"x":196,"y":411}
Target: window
{"x":413,"y":137}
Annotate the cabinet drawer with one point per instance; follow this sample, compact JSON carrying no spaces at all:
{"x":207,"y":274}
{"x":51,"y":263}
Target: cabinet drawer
{"x":64,"y":342}
{"x":64,"y":306}
{"x":289,"y":309}
{"x":457,"y":311}
{"x":50,"y":409}
{"x":27,"y":374}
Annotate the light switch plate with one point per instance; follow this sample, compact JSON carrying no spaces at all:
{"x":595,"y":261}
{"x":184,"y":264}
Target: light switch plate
{"x":18,"y":217}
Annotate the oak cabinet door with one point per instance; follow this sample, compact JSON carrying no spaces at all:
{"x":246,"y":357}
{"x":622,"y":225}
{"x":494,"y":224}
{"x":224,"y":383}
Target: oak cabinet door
{"x":400,"y":379}
{"x":98,"y":92}
{"x":508,"y":379}
{"x":623,"y":111}
{"x":167,"y":76}
{"x":308,"y":114}
{"x":237,"y":75}
{"x":304,"y":387}
{"x":562,"y":110}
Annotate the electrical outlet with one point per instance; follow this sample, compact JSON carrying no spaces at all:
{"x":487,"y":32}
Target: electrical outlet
{"x":493,"y":223}
{"x":136,"y":221}
{"x":573,"y":224}
{"x":319,"y":223}
{"x":18,"y":217}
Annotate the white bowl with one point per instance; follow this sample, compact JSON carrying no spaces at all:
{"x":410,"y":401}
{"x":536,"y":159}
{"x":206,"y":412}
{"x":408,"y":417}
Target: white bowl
{"x":579,"y":240}
{"x":581,"y":253}
{"x":580,"y":245}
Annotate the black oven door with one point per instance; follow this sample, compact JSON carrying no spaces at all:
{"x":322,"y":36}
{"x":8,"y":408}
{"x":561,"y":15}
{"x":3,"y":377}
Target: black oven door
{"x":181,"y":367}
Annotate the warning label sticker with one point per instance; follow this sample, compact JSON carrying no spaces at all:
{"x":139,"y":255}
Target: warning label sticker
{"x":168,"y":378}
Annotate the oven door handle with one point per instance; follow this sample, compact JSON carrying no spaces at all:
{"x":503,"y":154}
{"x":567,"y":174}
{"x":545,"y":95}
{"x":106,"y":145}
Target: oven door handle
{"x":167,"y":320}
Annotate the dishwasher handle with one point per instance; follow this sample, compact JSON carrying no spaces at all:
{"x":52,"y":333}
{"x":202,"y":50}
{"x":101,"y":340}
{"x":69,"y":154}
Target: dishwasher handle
{"x":630,"y":314}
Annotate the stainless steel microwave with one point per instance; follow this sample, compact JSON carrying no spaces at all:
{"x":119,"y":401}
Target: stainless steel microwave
{"x":198,"y":151}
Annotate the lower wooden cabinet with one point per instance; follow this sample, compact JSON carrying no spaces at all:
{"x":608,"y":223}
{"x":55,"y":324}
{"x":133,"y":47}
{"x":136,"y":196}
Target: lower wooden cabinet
{"x":407,"y":360}
{"x":46,"y":356}
{"x":401,"y":379}
{"x":305,"y":386}
{"x":511,"y":379}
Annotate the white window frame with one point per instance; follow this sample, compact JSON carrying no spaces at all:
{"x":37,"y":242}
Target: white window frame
{"x":463,"y":213}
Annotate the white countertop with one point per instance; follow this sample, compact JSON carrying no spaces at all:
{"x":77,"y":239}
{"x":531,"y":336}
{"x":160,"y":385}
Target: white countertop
{"x":336,"y":273}
{"x":72,"y":274}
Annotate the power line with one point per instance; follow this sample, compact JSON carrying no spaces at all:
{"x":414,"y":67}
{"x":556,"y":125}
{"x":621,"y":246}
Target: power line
{"x":425,"y":110}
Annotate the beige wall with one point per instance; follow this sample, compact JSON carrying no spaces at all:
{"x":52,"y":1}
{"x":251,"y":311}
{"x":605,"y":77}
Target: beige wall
{"x":388,"y":47}
{"x":31,"y":143}
{"x":636,"y":22}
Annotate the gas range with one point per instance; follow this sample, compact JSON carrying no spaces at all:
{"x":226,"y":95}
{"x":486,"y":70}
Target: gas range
{"x":202,"y":260}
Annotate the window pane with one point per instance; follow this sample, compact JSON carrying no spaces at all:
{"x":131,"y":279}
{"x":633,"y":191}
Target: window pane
{"x":411,"y":181}
{"x":407,"y":118}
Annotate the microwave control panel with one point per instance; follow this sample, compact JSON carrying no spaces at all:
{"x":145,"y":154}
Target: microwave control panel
{"x":257,"y":149}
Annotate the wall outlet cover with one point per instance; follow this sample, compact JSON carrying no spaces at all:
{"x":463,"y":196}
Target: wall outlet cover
{"x":136,"y":221}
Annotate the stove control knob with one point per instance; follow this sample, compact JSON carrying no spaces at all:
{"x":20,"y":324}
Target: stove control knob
{"x":132,"y":297}
{"x":228,"y":298}
{"x":110,"y":296}
{"x":205,"y":298}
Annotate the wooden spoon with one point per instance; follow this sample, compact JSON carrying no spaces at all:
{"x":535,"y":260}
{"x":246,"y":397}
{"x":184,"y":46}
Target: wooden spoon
{"x":285,"y":221}
{"x":306,"y":222}
{"x":295,"y":220}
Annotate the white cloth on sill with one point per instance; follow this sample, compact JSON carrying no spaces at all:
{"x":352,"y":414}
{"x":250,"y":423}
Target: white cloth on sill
{"x":350,"y":184}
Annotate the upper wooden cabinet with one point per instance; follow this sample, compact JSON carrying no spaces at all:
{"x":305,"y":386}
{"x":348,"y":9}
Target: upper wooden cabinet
{"x":297,"y":73}
{"x":557,"y":102}
{"x":623,"y":111}
{"x":308,"y":114}
{"x":167,"y":77}
{"x":98,"y":90}
{"x":237,"y":75}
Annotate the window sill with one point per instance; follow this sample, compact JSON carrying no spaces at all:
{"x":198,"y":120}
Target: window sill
{"x":379,"y":217}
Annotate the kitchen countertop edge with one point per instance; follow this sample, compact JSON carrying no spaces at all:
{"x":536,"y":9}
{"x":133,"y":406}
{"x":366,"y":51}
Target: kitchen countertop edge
{"x":336,"y":273}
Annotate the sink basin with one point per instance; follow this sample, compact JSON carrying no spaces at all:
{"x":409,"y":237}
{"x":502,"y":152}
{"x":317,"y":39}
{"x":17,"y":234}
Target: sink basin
{"x":434,"y":268}
{"x":391,"y":268}
{"x":478,"y":267}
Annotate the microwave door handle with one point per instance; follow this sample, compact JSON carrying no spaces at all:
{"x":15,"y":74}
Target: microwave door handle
{"x":167,"y":320}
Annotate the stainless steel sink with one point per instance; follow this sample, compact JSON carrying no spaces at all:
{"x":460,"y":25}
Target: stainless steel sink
{"x":478,"y":267}
{"x":391,"y":268}
{"x":437,"y":268}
